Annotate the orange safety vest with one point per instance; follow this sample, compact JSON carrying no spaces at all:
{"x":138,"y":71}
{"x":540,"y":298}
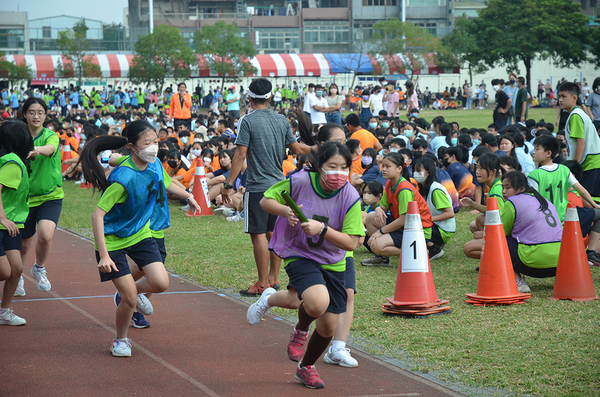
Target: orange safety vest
{"x":393,"y":201}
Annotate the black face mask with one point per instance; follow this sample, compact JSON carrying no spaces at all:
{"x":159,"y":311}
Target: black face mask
{"x":417,"y":154}
{"x":446,"y":163}
{"x":162,"y":153}
{"x":172,"y":164}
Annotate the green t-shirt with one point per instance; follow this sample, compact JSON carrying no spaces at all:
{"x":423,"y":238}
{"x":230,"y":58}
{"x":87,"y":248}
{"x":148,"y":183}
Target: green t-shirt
{"x":15,"y":189}
{"x":520,"y":99}
{"x":441,"y":202}
{"x":496,"y":191}
{"x":539,"y":256}
{"x":352,"y":221}
{"x":554,"y":187}
{"x":45,"y":180}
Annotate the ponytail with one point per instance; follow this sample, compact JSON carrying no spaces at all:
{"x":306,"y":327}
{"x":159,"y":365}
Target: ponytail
{"x":305,"y":128}
{"x":92,"y":170}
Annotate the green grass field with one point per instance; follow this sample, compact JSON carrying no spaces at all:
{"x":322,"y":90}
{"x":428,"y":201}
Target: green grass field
{"x":542,"y":347}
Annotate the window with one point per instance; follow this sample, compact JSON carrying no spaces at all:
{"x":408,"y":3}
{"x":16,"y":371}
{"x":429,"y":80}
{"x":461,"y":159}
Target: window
{"x":46,"y":32}
{"x":12,"y":38}
{"x":326,"y":31}
{"x":378,"y":3}
{"x":275,"y":40}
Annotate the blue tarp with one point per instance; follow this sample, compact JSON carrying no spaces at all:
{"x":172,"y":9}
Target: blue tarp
{"x":349,"y":63}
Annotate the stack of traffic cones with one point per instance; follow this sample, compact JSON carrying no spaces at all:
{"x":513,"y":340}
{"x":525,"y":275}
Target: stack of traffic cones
{"x":200,"y":192}
{"x":573,"y":276}
{"x":497,"y":284}
{"x":415,"y":294}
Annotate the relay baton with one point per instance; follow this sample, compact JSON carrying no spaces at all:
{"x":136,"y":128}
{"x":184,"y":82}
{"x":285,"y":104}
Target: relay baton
{"x":292,"y":204}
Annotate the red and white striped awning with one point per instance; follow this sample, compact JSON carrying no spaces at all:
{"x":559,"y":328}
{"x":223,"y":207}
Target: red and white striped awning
{"x":267,"y":65}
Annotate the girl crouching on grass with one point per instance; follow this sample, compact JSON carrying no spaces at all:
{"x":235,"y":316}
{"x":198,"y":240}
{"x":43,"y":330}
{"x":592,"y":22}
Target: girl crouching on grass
{"x":16,"y":144}
{"x":314,"y":252}
{"x":121,"y":221}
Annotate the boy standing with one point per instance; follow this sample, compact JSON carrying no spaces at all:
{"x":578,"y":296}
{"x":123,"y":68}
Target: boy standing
{"x":582,"y":139}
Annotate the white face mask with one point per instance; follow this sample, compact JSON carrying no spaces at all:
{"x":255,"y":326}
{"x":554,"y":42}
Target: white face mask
{"x":496,"y":88}
{"x":420,"y":177}
{"x":149,"y":154}
{"x":206,"y":160}
{"x":185,"y":139}
{"x":196,"y":152}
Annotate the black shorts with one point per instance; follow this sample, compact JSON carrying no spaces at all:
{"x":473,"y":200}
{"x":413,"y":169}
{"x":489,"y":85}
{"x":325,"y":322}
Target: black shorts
{"x":591,"y":181}
{"x":520,"y":267}
{"x":396,"y":235}
{"x":74,"y":106}
{"x":436,"y":236}
{"x":143,"y":253}
{"x":49,"y":211}
{"x":257,"y":220}
{"x":160,"y":242}
{"x":304,"y":273}
{"x":9,"y":243}
{"x":350,"y":274}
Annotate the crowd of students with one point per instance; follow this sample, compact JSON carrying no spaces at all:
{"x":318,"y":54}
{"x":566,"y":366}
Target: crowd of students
{"x":354,"y":186}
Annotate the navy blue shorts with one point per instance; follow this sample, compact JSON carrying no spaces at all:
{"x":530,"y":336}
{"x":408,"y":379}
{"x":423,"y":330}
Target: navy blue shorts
{"x":591,"y":181}
{"x":9,"y":243}
{"x":520,"y":267}
{"x":304,"y":273}
{"x":160,"y":242}
{"x":396,"y":235}
{"x":50,"y":211}
{"x":350,"y":274}
{"x":143,"y":253}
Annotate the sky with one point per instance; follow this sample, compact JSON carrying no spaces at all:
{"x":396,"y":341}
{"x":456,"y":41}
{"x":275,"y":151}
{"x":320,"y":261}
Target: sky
{"x":105,"y":10}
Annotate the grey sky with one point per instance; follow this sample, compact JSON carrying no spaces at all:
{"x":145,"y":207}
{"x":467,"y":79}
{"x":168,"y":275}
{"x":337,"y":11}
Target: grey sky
{"x":104,"y":10}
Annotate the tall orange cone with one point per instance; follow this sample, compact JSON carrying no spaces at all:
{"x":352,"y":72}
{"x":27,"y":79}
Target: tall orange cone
{"x":573,"y":276}
{"x":496,"y":284}
{"x":415,"y":290}
{"x":200,"y":192}
{"x":66,"y":155}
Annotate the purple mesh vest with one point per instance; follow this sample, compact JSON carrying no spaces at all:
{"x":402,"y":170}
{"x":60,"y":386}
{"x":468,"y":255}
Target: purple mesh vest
{"x":531,"y":226}
{"x":291,"y":242}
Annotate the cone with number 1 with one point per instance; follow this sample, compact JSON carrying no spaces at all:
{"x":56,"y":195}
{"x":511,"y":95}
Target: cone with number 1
{"x":497,"y":284}
{"x":415,"y":294}
{"x":200,"y":192}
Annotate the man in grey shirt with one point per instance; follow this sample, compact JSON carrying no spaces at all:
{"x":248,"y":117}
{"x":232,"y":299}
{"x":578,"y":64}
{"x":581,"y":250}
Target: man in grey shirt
{"x":263,"y":136}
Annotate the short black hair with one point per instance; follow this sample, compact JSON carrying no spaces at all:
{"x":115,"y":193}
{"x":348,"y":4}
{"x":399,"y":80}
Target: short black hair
{"x":571,"y":88}
{"x":353,"y":119}
{"x":352,"y":145}
{"x":494,"y":126}
{"x":548,"y":142}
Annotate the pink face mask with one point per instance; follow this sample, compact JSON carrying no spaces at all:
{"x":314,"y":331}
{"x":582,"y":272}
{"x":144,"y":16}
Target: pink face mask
{"x":335,"y":179}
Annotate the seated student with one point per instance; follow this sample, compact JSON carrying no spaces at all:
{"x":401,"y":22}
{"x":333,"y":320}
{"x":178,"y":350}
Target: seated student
{"x":176,"y":169}
{"x":439,"y":203}
{"x":386,"y":231}
{"x":355,"y":150}
{"x":489,"y":172}
{"x":195,"y":152}
{"x":493,"y":129}
{"x":491,"y":142}
{"x":480,"y":188}
{"x":289,"y":164}
{"x":509,"y":164}
{"x":371,"y":170}
{"x":523,"y":154}
{"x":215,"y":179}
{"x":444,"y":179}
{"x":533,"y":231}
{"x":372,"y":195}
{"x":373,"y":124}
{"x":588,"y":217}
{"x":461,"y":176}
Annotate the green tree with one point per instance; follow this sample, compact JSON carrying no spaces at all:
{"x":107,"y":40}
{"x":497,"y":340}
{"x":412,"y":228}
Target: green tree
{"x":160,"y":55}
{"x":415,"y":44}
{"x":13,"y":73}
{"x":513,"y":31}
{"x":74,"y":46}
{"x":595,"y":33}
{"x":231,"y":53}
{"x":461,"y":47}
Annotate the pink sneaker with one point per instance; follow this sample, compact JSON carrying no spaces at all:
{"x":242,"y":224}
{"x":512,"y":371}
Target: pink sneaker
{"x":309,"y":376}
{"x":295,"y":349}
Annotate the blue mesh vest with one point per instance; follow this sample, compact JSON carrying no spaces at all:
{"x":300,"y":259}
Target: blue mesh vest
{"x":146,"y":201}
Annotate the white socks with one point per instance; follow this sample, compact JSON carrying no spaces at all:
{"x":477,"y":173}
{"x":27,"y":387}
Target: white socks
{"x":337,"y":344}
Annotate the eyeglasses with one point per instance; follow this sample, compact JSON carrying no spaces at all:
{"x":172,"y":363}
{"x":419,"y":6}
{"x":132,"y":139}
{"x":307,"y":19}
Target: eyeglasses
{"x":32,"y":113}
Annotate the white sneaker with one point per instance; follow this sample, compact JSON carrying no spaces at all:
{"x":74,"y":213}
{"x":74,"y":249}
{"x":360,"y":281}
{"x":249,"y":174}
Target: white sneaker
{"x":219,"y":210}
{"x":20,"y":287}
{"x":9,"y":318}
{"x":259,"y":308}
{"x":341,"y":357}
{"x":523,"y":287}
{"x":42,"y":279}
{"x":229,"y":212}
{"x":235,"y":218}
{"x":185,"y":208}
{"x":143,"y":305}
{"x":121,"y":348}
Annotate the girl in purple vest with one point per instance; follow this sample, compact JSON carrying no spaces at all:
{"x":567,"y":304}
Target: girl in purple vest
{"x":315,"y":251}
{"x":533,"y":230}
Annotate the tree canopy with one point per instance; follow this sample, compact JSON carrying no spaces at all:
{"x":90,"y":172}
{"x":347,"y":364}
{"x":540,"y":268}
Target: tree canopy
{"x":160,"y":55}
{"x":393,"y":36}
{"x":229,"y":52}
{"x":513,"y":31}
{"x":14,"y":73}
{"x":74,"y":46}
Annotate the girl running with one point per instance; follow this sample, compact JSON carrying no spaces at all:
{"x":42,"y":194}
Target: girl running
{"x":385,"y":230}
{"x":489,"y":172}
{"x":315,"y":251}
{"x":45,"y":192}
{"x":16,"y":144}
{"x":124,"y":220}
{"x":533,"y":230}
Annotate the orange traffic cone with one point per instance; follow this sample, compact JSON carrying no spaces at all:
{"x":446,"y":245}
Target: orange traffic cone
{"x":84,"y":184}
{"x":415,"y":293}
{"x":200,"y":192}
{"x":573,"y":276}
{"x":66,"y":156}
{"x":497,"y":284}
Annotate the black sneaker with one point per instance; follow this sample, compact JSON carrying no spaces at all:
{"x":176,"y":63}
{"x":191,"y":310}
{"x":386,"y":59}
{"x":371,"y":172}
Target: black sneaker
{"x":435,"y":252}
{"x":376,"y":260}
{"x":593,"y":258}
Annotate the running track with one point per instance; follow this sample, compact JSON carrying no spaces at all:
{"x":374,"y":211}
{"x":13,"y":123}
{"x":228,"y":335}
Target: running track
{"x":199,"y":344}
